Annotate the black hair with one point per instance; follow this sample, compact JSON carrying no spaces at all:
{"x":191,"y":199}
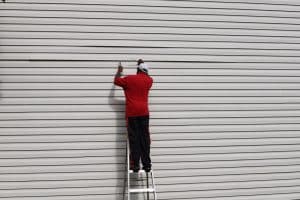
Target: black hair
{"x":140,"y":61}
{"x":139,"y":70}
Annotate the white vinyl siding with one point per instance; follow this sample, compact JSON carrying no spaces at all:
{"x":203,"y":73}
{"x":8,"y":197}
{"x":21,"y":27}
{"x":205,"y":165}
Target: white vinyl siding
{"x":225,"y":104}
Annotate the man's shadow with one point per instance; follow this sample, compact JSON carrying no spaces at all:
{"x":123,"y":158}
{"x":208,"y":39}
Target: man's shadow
{"x":0,"y":90}
{"x":118,"y":105}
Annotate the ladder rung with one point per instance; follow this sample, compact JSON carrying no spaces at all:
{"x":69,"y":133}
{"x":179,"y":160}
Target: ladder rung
{"x":141,"y":190}
{"x":140,"y":171}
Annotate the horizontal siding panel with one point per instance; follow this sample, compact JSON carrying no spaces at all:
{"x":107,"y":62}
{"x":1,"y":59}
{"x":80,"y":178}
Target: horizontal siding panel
{"x":159,"y":73}
{"x":86,"y":151}
{"x":150,"y":30}
{"x":157,"y":136}
{"x":257,"y":127}
{"x":166,"y":15}
{"x":57,"y":106}
{"x":272,"y":186}
{"x":131,"y":64}
{"x":227,"y":35}
{"x":272,"y":196}
{"x":58,"y":192}
{"x":225,"y":150}
{"x":69,"y":104}
{"x":154,"y":93}
{"x":272,"y":2}
{"x":154,"y":122}
{"x":154,"y":115}
{"x":147,"y":51}
{"x":169,"y":166}
{"x":161,"y":14}
{"x":238,"y":156}
{"x":72,"y":197}
{"x":166,"y":79}
{"x":154,"y":129}
{"x":259,"y":197}
{"x":205,"y":103}
{"x":111,"y":175}
{"x":229,"y":193}
{"x":292,"y":25}
{"x":70,"y":130}
{"x":227,"y":186}
{"x":207,"y":58}
{"x":156,"y":144}
{"x":161,"y":181}
{"x":132,"y":44}
{"x":149,"y":3}
{"x":41,"y":17}
{"x":59,"y":161}
{"x":156,"y":86}
{"x":64,"y":145}
{"x":93,"y":57}
{"x":247,"y":144}
{"x":207,"y":5}
{"x":187,"y":136}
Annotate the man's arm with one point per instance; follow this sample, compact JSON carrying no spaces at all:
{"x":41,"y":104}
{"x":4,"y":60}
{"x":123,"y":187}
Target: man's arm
{"x":119,"y":72}
{"x":118,"y":80}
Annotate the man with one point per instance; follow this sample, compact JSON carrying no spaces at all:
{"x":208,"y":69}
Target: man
{"x":136,"y":88}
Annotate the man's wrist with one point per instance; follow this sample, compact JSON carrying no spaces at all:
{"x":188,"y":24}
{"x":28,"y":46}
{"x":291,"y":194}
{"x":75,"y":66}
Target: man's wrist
{"x":118,"y":74}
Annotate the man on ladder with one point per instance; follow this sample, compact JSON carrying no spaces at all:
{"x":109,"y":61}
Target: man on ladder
{"x":136,"y":88}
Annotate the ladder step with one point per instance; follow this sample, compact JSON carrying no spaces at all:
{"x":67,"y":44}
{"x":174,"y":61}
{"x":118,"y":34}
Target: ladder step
{"x":141,"y":190}
{"x":141,"y":171}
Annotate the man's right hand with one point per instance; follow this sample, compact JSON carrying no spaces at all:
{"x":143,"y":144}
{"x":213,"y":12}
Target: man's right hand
{"x":120,"y":70}
{"x":120,"y":67}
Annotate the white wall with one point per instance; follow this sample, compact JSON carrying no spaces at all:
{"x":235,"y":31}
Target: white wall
{"x":225,"y":102}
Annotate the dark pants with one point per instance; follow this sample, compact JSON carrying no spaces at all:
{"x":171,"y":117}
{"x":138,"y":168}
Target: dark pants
{"x":139,"y":140}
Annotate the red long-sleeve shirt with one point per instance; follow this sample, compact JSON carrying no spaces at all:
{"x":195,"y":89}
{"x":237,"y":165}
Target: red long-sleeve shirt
{"x":136,"y":88}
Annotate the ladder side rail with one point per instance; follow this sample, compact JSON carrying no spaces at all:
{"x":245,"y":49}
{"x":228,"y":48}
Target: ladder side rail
{"x":153,"y":185}
{"x":128,"y":170}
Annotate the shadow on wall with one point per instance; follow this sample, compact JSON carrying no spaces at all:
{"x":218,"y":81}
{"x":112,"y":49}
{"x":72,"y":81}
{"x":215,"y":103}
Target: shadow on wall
{"x":1,"y":90}
{"x":118,"y":105}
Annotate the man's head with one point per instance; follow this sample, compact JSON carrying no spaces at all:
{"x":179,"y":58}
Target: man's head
{"x":142,"y":67}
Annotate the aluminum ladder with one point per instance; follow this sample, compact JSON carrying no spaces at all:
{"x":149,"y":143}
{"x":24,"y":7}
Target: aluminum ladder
{"x":148,"y":189}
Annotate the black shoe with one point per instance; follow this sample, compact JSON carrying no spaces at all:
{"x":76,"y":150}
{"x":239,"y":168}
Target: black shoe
{"x":147,"y":169}
{"x":136,"y":169}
